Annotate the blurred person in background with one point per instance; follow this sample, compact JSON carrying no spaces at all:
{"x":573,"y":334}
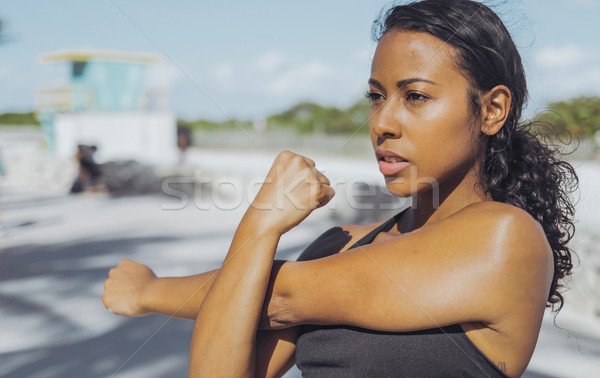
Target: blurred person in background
{"x":3,"y":230}
{"x":455,"y":285}
{"x":184,"y":141}
{"x":89,"y":172}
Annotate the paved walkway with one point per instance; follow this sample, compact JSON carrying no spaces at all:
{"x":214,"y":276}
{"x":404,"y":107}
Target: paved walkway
{"x":59,"y":249}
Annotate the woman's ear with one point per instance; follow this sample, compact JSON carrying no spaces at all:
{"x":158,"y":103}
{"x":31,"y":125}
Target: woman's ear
{"x":496,"y":108}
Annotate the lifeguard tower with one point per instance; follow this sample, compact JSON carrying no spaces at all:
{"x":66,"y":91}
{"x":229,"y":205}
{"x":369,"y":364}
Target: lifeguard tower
{"x":104,"y":103}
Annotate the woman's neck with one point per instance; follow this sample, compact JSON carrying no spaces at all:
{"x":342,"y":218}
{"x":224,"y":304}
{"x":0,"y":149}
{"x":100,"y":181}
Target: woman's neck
{"x":441,"y":202}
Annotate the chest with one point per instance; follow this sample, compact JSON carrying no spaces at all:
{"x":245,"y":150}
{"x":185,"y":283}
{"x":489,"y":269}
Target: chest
{"x":352,"y":351}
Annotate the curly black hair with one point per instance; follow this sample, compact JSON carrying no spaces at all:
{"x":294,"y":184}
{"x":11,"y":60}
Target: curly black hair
{"x":520,"y":166}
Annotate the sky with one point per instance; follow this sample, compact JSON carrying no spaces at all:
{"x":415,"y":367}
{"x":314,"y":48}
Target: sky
{"x":250,"y":59}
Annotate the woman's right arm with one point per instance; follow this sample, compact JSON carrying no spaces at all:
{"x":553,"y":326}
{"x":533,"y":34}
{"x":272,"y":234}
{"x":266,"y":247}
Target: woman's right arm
{"x":132,"y":289}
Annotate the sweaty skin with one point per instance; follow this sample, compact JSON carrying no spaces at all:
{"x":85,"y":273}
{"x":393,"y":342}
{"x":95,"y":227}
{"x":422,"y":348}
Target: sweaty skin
{"x":470,"y":261}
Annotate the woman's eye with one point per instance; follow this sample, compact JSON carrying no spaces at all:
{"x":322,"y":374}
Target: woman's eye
{"x":416,"y":97}
{"x":373,"y":96}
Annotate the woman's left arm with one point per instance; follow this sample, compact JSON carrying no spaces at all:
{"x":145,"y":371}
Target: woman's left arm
{"x":479,"y":264}
{"x":223,"y":340}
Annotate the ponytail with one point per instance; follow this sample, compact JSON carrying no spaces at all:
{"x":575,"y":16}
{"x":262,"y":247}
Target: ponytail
{"x":522,"y":169}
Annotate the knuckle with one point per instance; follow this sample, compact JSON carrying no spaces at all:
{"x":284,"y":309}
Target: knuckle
{"x":285,"y":154}
{"x":297,"y":159}
{"x":324,"y":191}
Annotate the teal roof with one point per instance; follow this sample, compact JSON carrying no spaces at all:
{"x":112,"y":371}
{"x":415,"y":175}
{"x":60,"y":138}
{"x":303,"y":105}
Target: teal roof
{"x":84,"y":55}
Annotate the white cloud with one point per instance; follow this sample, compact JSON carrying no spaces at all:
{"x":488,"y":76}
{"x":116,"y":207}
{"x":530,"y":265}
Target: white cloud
{"x":565,"y":56}
{"x":161,"y":76}
{"x":585,"y":3}
{"x":275,"y":74}
{"x":225,"y":73}
{"x":270,"y":62}
{"x":301,"y":78}
{"x":565,"y":72}
{"x":4,"y":71}
{"x":268,"y":83}
{"x":365,"y":55}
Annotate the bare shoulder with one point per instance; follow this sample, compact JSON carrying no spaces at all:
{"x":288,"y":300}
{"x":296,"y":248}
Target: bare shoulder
{"x":493,"y":208}
{"x":516,"y":240}
{"x":512,"y":226}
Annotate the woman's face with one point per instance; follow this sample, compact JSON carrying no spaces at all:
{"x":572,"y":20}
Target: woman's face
{"x":420,"y":123}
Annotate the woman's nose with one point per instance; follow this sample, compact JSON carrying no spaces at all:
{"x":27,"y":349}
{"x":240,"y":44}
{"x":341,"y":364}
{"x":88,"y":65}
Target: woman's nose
{"x":384,"y":123}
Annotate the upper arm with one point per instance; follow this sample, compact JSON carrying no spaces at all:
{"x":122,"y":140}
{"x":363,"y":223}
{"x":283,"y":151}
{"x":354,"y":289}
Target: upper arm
{"x":468,"y":267}
{"x":275,"y":352}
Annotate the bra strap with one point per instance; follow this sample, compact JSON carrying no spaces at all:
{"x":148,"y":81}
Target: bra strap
{"x":367,"y":239}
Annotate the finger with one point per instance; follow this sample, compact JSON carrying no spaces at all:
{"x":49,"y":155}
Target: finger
{"x":128,"y":262}
{"x":322,"y":178}
{"x":331,"y":192}
{"x":124,"y":262}
{"x":309,"y":161}
{"x":327,"y":198}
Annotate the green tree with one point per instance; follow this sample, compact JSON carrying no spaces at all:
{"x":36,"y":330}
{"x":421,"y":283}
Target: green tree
{"x":15,"y":119}
{"x":303,"y":118}
{"x":207,"y":125}
{"x":307,"y":117}
{"x":579,"y":116}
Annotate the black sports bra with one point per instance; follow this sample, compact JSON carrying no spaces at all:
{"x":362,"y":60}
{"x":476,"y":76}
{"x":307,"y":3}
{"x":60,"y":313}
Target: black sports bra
{"x":345,"y":351}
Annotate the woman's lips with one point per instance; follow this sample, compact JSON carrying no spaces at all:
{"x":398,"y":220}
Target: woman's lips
{"x":390,"y":169}
{"x":390,"y":163}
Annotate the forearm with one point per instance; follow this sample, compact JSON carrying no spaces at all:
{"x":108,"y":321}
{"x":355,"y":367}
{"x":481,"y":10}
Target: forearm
{"x":223,"y":341}
{"x":231,"y":310}
{"x":179,"y":297}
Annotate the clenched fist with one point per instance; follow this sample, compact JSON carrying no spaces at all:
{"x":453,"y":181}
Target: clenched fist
{"x":292,"y":189}
{"x":124,"y":288}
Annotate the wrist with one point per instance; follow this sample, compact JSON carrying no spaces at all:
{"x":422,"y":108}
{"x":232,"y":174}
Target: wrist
{"x":263,"y":221}
{"x":145,"y":301}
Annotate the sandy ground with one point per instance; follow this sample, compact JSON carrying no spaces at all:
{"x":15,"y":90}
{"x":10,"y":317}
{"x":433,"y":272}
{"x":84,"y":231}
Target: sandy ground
{"x":53,"y":264}
{"x":58,"y":250}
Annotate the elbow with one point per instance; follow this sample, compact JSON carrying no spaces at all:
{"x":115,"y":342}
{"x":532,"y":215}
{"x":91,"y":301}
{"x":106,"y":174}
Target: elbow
{"x":278,"y":311}
{"x":278,"y":314}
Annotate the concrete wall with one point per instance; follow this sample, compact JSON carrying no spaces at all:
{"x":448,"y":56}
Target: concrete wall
{"x":146,"y":137}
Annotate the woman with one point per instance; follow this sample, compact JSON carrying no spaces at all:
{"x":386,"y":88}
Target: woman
{"x":456,"y":285}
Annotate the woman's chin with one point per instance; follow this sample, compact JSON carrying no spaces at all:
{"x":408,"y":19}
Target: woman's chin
{"x":408,"y":189}
{"x":401,"y":190}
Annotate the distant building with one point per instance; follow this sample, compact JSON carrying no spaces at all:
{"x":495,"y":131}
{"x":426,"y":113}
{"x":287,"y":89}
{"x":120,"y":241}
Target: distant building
{"x":104,"y":103}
